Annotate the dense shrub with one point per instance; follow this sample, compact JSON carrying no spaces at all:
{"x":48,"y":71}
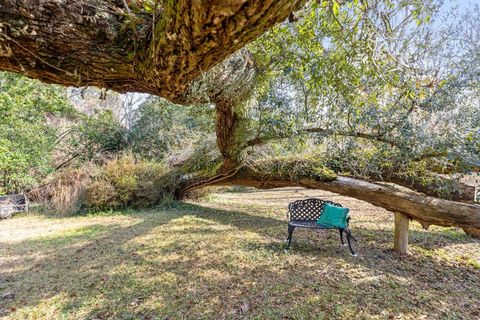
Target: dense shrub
{"x":123,"y":182}
{"x":118,"y":183}
{"x":63,"y":191}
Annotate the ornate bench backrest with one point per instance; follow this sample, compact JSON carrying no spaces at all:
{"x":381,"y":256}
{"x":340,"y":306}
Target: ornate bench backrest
{"x":308,"y":209}
{"x":14,"y":202}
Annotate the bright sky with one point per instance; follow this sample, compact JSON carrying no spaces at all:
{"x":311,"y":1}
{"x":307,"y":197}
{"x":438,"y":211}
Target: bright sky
{"x":461,"y":4}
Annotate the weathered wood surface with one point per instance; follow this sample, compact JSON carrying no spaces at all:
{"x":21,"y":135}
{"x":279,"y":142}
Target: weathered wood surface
{"x":400,"y":241}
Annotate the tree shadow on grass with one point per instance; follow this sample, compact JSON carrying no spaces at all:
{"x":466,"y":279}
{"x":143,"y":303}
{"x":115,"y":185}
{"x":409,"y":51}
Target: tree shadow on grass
{"x":193,"y":261}
{"x":52,"y":265}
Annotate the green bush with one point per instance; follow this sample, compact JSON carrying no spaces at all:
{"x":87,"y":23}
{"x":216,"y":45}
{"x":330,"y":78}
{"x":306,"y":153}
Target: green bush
{"x":27,"y":137}
{"x":295,"y":168}
{"x":125,"y":182}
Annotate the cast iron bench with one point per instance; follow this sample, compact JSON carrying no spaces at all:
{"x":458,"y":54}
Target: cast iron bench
{"x":12,"y":203}
{"x":304,"y":214}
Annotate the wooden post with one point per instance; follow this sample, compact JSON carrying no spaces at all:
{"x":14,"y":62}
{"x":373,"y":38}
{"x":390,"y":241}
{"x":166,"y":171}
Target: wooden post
{"x":400,"y":243}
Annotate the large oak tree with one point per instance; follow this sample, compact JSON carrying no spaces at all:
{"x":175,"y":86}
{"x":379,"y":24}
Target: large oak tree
{"x":164,"y":48}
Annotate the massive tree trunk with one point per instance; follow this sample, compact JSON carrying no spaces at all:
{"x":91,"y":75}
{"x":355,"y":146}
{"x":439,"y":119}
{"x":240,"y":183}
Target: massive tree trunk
{"x":105,"y":44}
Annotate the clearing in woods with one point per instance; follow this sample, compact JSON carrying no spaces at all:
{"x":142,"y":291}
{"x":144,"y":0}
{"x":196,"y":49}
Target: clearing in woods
{"x":222,"y":257}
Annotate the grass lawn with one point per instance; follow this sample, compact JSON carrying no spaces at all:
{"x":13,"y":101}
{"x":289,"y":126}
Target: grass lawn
{"x":223,"y":257}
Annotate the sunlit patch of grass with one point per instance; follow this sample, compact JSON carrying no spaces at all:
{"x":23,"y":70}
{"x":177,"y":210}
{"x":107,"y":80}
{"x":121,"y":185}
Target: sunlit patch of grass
{"x":65,"y":237}
{"x":468,"y":261}
{"x":453,"y":233}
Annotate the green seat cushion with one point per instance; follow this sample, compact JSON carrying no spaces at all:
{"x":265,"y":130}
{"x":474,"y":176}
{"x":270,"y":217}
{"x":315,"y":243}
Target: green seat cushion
{"x":333,"y":216}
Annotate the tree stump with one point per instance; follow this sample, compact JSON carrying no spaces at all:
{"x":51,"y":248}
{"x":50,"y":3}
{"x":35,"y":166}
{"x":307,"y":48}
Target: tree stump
{"x":400,"y":244}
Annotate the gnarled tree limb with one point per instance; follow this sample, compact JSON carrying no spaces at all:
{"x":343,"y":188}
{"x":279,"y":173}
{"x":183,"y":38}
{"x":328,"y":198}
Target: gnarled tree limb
{"x":98,"y":42}
{"x":425,"y":209}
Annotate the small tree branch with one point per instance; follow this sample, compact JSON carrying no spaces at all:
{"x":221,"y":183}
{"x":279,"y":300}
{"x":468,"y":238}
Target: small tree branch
{"x":262,"y":140}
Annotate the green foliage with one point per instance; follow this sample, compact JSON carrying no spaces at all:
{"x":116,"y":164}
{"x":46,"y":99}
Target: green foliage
{"x":294,"y":168}
{"x":333,"y":68}
{"x":125,"y":182}
{"x":26,"y":136}
{"x":94,"y":136}
{"x":161,"y":127}
{"x":383,"y":87}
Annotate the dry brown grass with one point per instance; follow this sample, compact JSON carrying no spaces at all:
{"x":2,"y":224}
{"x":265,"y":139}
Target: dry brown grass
{"x":223,"y":258}
{"x":64,"y":190}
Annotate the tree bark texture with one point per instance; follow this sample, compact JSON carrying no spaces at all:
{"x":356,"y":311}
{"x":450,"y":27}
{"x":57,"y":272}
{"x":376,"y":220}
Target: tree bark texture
{"x":425,"y":209}
{"x":225,"y":126}
{"x":101,"y":43}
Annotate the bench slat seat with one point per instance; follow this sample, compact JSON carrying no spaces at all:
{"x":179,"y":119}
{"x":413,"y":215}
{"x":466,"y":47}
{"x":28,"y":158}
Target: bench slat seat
{"x":309,"y":224}
{"x":305,"y":213}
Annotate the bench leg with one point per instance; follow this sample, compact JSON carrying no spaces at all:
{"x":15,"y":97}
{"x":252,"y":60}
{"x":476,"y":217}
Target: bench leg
{"x":349,"y":240}
{"x":290,"y":234}
{"x":341,"y":236}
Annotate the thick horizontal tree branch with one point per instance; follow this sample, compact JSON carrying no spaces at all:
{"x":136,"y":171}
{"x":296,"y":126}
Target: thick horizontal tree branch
{"x":427,"y":210}
{"x":461,"y":192}
{"x":101,"y":43}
